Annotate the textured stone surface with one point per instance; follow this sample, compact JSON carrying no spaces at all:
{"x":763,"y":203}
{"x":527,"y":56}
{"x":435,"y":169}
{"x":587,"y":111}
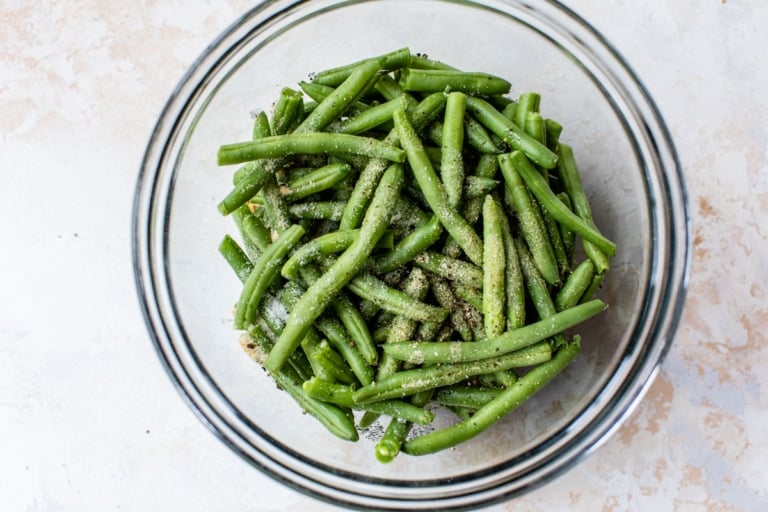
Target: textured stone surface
{"x":88,"y":420}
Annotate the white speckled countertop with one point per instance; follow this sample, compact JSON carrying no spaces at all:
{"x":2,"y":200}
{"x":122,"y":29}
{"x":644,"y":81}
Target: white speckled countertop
{"x":88,"y":418}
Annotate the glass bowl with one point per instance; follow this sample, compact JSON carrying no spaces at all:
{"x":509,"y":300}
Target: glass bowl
{"x":630,"y":171}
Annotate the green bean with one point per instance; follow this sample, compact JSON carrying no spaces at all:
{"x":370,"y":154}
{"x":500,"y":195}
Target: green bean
{"x":317,"y":210}
{"x":487,"y":168}
{"x":419,"y":352}
{"x":266,"y":326}
{"x":420,"y":61}
{"x":458,"y":228}
{"x":589,"y":293}
{"x":255,"y":235}
{"x":510,"y":111}
{"x":527,"y":102}
{"x":409,"y":247}
{"x":389,"y":61}
{"x":370,"y":176}
{"x":575,"y":286}
{"x":513,"y":279}
{"x":264,"y":270}
{"x":334,"y":362}
{"x":478,"y":186}
{"x":235,"y":257}
{"x":371,"y":118}
{"x":453,"y":269}
{"x":503,"y":378}
{"x":402,"y":327}
{"x":510,"y":133}
{"x":275,"y":206}
{"x":408,"y":382}
{"x":428,"y":330}
{"x":452,"y":147}
{"x":316,"y":181}
{"x":318,"y":92}
{"x":438,"y":80}
{"x":556,"y":241}
{"x":307,"y":143}
{"x":471,"y":296}
{"x":434,"y":132}
{"x":342,"y":395}
{"x":321,"y":367}
{"x":571,"y":181}
{"x":394,"y":436}
{"x":390,"y":90}
{"x":494,"y":292}
{"x":538,"y":290}
{"x":251,"y":179}
{"x":464,"y":396}
{"x":337,"y":102}
{"x":553,"y":129}
{"x":497,"y":408}
{"x":288,"y":111}
{"x":557,"y":209}
{"x":534,"y":126}
{"x":335,"y":419}
{"x":324,"y":245}
{"x":261,"y":126}
{"x":478,"y":137}
{"x":447,"y":299}
{"x":530,"y":221}
{"x":393,"y":300}
{"x":322,"y":292}
{"x":566,"y":234}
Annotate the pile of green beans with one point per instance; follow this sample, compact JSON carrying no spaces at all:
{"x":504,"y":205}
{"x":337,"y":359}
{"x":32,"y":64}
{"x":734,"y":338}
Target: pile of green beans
{"x":407,"y":242}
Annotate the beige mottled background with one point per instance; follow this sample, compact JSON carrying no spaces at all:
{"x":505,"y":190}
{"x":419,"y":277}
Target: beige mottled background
{"x":88,"y":420}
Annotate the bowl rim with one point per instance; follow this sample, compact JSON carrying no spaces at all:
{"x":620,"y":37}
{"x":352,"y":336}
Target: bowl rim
{"x":674,"y":291}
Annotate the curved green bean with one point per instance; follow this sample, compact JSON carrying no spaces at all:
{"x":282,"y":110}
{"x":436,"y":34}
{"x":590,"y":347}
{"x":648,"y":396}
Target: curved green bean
{"x":315,"y":181}
{"x":575,"y":286}
{"x":264,"y":270}
{"x":497,"y":408}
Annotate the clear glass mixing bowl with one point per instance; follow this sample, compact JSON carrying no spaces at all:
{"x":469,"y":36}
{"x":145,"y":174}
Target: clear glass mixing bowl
{"x":630,"y":172}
